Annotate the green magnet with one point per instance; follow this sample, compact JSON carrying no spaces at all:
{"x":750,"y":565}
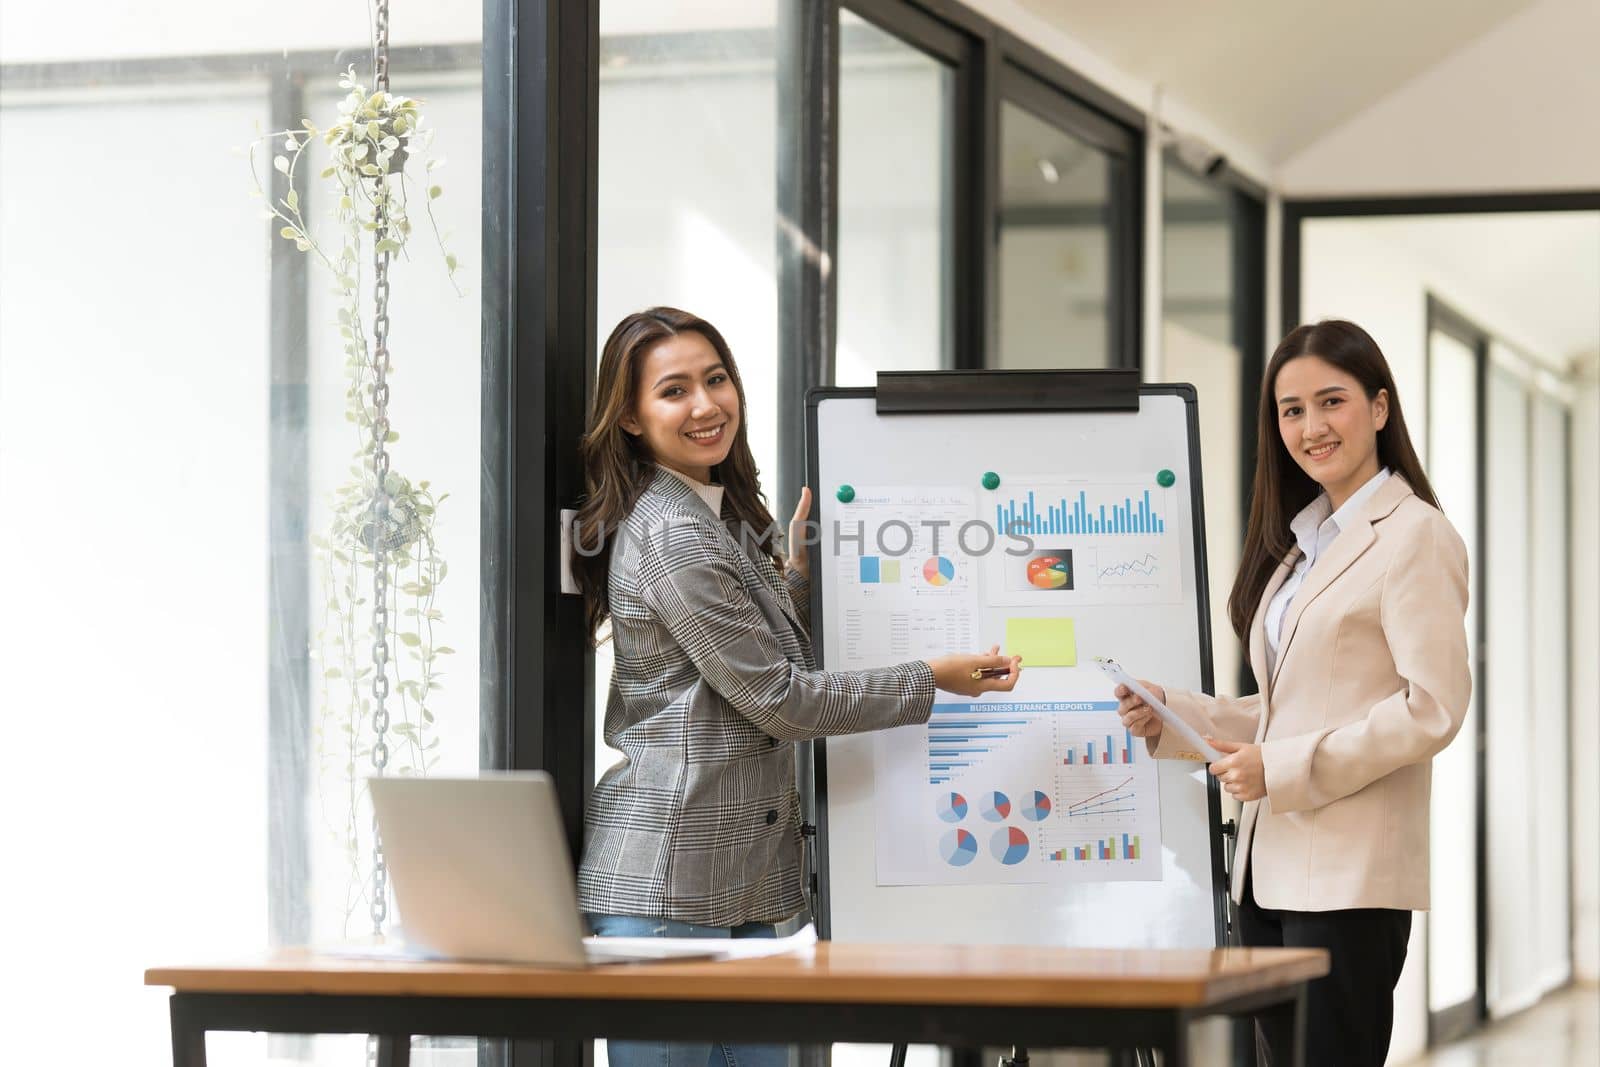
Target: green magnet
{"x":991,"y":480}
{"x":1165,"y":478}
{"x":846,"y":494}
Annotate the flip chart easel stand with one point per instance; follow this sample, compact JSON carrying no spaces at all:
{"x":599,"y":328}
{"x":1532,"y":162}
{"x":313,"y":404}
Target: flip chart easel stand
{"x":1092,"y":395}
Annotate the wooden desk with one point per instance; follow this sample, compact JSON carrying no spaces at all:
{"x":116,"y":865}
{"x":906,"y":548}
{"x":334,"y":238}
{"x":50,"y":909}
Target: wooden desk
{"x":964,"y":996}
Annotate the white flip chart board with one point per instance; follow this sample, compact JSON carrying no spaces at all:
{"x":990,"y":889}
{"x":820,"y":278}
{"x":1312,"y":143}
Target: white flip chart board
{"x":1029,"y":817}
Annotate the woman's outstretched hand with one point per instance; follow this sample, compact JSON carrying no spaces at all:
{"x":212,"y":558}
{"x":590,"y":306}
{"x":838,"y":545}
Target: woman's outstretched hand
{"x":954,"y":674}
{"x":799,"y":559}
{"x":1140,"y":718}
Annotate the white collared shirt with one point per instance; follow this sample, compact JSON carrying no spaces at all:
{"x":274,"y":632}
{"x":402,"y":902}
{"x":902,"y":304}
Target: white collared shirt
{"x":1315,"y":529}
{"x":711,"y":494}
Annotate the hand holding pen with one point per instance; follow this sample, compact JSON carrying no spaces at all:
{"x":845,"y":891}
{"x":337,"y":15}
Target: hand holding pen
{"x":971,"y":676}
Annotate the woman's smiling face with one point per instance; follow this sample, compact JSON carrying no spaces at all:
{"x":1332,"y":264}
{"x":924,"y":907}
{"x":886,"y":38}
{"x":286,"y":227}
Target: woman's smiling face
{"x":1329,"y":424}
{"x":686,"y":411}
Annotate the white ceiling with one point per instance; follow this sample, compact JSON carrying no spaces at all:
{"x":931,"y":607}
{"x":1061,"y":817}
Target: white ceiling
{"x":1277,"y":74}
{"x":1539,"y":272}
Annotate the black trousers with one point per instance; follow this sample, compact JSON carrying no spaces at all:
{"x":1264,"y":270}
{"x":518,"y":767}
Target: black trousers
{"x":1350,"y":1011}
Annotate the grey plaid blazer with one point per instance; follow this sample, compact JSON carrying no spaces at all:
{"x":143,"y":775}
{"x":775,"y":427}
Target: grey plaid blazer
{"x":713,"y":683}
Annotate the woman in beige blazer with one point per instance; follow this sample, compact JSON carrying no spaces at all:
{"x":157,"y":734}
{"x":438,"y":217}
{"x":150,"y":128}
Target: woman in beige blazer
{"x":1351,"y":598}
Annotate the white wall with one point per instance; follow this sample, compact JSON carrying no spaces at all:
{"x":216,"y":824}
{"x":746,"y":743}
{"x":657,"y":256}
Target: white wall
{"x":1512,"y":111}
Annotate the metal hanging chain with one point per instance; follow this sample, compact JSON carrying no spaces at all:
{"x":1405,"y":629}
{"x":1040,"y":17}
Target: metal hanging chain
{"x":380,"y":49}
{"x":380,"y":491}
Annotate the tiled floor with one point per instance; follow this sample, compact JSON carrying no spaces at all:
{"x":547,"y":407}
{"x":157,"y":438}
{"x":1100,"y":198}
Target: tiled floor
{"x":1563,"y":1030}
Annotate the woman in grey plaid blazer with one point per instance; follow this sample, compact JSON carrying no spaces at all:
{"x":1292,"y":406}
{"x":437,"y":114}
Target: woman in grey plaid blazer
{"x":697,"y":831}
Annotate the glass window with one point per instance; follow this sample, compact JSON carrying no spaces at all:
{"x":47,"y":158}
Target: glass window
{"x":1551,"y":696}
{"x":691,"y":221}
{"x":1513,"y":954}
{"x":1199,"y":345}
{"x":1452,"y":465}
{"x":1055,"y":238}
{"x":894,"y":285}
{"x":172,"y":440}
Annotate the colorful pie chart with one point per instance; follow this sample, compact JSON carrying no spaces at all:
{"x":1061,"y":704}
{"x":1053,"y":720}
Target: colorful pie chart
{"x":1009,"y":845}
{"x":1049,"y":572}
{"x":1039,"y":809}
{"x":952,"y":807}
{"x":959,"y":848}
{"x":938,"y":571}
{"x":996,"y":806}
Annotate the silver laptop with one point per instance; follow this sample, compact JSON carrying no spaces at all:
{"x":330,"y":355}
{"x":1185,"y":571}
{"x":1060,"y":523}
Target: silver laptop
{"x":480,"y":871}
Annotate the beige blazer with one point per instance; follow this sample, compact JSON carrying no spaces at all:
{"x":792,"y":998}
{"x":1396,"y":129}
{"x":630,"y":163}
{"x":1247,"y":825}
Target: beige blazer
{"x":1371,"y":681}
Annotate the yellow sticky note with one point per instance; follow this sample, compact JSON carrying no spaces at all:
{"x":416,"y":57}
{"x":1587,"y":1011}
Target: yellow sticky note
{"x":1041,"y":642}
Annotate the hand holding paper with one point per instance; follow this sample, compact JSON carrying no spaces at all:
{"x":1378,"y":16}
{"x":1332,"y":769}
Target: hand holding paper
{"x":1168,"y":717}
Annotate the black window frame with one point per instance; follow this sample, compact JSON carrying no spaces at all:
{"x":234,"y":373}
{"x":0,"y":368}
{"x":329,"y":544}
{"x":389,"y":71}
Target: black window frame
{"x":992,"y":66}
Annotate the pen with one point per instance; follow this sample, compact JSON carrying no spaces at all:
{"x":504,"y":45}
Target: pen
{"x":990,"y":672}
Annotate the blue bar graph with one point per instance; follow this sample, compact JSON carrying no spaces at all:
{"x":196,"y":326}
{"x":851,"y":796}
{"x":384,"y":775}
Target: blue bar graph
{"x":1032,"y":516}
{"x":964,"y":735}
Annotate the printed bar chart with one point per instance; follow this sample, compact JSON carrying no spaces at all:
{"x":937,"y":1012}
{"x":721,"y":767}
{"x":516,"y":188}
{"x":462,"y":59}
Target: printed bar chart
{"x":962,"y":736}
{"x":1131,"y":516}
{"x":1115,"y":847}
{"x":1109,"y":753}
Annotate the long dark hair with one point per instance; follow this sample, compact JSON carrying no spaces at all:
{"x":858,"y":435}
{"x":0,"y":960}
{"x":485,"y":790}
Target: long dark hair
{"x":617,"y":465}
{"x":1281,"y":488}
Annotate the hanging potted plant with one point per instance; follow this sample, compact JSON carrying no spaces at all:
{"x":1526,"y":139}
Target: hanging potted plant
{"x":377,"y":560}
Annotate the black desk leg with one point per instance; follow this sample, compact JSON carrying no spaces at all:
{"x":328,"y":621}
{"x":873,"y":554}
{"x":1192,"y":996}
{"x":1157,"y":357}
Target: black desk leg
{"x":394,"y":1050}
{"x":1174,"y":1045}
{"x":188,"y":1038}
{"x":1300,"y":1026}
{"x":966,"y":1057}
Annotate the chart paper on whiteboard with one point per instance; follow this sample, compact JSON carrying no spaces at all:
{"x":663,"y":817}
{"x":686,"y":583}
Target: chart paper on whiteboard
{"x":1039,"y":785}
{"x":999,"y":791}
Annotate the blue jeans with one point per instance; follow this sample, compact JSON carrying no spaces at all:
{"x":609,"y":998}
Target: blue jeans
{"x":685,"y":1053}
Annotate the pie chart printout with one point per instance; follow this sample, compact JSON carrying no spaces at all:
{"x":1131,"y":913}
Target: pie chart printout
{"x":938,"y":571}
{"x":1039,"y":810}
{"x":952,"y":807}
{"x":996,"y":807}
{"x":1009,"y":845}
{"x":959,"y":847}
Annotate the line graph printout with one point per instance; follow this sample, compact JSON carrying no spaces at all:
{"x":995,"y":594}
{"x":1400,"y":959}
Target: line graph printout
{"x":1013,"y":788}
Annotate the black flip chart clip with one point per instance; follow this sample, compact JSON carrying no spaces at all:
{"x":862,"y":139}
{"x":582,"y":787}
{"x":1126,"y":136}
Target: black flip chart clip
{"x":968,"y":391}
